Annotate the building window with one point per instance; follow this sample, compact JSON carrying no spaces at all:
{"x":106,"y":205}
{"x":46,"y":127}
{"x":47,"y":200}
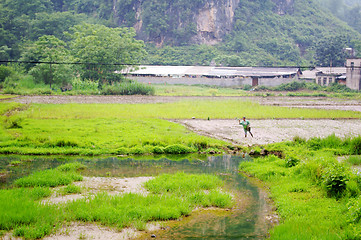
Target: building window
{"x":352,"y":65}
{"x":324,"y":80}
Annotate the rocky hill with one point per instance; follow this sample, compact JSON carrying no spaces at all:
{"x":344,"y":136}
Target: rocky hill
{"x":228,"y":32}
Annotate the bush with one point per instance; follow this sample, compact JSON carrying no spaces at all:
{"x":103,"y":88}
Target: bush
{"x":335,"y":180}
{"x":128,"y":88}
{"x":178,"y":149}
{"x":335,"y":87}
{"x":158,"y":150}
{"x":355,"y":146}
{"x":87,"y":85}
{"x":5,"y":72}
{"x":291,"y":161}
{"x":293,"y":86}
{"x":13,"y":122}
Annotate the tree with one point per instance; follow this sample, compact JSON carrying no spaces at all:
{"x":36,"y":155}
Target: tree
{"x":52,"y":24}
{"x":330,"y":51}
{"x":27,"y":7}
{"x":105,"y":50}
{"x":357,"y":47}
{"x":53,"y":53}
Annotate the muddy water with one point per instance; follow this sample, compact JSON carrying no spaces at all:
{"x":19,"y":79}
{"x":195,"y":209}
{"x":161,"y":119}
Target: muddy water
{"x":246,"y":221}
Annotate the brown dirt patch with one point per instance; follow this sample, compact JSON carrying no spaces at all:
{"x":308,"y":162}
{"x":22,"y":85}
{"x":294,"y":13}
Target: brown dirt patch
{"x":92,"y":185}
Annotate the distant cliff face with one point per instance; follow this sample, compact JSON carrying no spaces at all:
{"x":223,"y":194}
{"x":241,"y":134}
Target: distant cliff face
{"x":284,"y":6}
{"x":184,"y":21}
{"x":214,"y":20}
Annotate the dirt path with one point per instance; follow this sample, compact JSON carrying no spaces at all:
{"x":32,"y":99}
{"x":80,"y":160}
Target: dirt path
{"x":270,"y":131}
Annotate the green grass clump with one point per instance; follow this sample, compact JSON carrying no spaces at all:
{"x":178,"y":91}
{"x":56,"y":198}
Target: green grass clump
{"x":27,"y":217}
{"x":182,"y":183}
{"x":201,"y":190}
{"x":64,"y":175}
{"x":70,"y":189}
{"x":124,"y":210}
{"x":354,"y":159}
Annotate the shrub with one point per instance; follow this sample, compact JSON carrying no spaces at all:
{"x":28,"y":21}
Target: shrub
{"x":13,"y":122}
{"x":335,"y":180}
{"x":178,"y":149}
{"x":137,"y":151}
{"x":293,"y":86}
{"x":122,"y":151}
{"x":5,"y":72}
{"x":355,"y":160}
{"x":128,"y":88}
{"x":247,"y":87}
{"x":158,"y":150}
{"x":85,"y":84}
{"x":335,"y":87}
{"x":65,"y":143}
{"x":291,"y":161}
{"x":299,"y":140}
{"x":355,"y":146}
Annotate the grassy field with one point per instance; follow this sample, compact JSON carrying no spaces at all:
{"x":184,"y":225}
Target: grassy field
{"x":3,"y":97}
{"x":203,"y":90}
{"x":96,"y":129}
{"x":22,"y":211}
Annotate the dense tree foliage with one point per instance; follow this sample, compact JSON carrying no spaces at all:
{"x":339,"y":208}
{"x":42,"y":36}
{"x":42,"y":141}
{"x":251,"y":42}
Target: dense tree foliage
{"x":346,"y":10}
{"x":105,"y":50}
{"x":330,"y":51}
{"x":260,"y":34}
{"x":49,"y":49}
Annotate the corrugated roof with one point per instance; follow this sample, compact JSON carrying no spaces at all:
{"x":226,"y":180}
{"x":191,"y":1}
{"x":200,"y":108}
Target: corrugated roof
{"x":332,"y":70}
{"x":214,"y":71}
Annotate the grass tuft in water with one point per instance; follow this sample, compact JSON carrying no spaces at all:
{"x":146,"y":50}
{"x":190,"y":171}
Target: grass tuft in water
{"x":63,"y":175}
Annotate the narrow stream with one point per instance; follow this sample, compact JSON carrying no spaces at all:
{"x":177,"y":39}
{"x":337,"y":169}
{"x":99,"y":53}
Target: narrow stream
{"x":246,"y":221}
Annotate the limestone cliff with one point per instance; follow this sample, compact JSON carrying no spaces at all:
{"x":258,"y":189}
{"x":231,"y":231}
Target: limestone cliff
{"x":214,"y":20}
{"x":183,"y":21}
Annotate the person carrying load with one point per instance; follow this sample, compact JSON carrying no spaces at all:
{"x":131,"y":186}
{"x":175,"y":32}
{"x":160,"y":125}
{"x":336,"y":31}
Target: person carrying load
{"x":246,"y":126}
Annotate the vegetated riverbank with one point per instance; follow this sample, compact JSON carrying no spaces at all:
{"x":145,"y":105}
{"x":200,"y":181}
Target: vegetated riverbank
{"x":169,"y":196}
{"x":316,"y":195}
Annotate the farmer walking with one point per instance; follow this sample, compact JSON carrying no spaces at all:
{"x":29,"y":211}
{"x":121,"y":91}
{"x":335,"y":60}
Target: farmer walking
{"x":246,"y":126}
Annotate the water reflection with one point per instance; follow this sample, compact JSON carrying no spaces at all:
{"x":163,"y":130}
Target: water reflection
{"x":243,"y":223}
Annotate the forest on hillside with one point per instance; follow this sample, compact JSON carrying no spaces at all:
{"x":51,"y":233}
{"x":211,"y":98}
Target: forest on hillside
{"x":259,"y":35}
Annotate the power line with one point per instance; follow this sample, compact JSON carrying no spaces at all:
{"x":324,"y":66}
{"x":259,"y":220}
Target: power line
{"x":69,"y":63}
{"x":137,"y":64}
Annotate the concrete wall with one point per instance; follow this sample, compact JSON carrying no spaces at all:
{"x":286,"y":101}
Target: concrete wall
{"x":353,"y":74}
{"x":222,"y":82}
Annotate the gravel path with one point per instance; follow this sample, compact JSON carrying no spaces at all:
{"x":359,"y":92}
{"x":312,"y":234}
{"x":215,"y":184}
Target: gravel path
{"x":270,"y":131}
